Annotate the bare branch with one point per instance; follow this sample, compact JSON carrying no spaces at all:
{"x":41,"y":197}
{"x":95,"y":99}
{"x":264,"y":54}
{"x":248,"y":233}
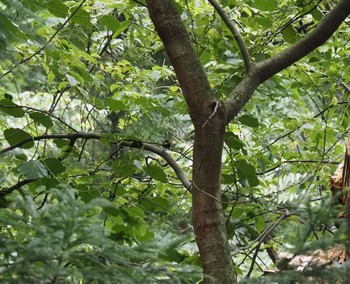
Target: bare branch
{"x":235,"y":33}
{"x":14,"y":187}
{"x":133,"y":144}
{"x":164,"y":154}
{"x":71,"y":136}
{"x":345,"y":86}
{"x":267,"y":231}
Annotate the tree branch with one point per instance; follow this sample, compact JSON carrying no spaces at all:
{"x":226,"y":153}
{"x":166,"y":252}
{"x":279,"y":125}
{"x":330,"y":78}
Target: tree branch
{"x":345,"y":86}
{"x":71,"y":136}
{"x":188,"y":68}
{"x":261,"y":71}
{"x":235,"y":33}
{"x":14,"y":187}
{"x":132,"y":144}
{"x":305,"y":45}
{"x":164,"y":154}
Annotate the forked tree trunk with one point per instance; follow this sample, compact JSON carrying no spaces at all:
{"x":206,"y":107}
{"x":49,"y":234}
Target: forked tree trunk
{"x":210,"y":118}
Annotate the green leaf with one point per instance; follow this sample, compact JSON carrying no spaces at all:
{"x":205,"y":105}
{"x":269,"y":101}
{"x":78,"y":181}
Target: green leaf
{"x":264,"y":22}
{"x":248,"y":171}
{"x":15,"y":135}
{"x":111,"y":210}
{"x":110,"y":22}
{"x":87,"y":194}
{"x":77,"y":77}
{"x":290,"y":35}
{"x":10,"y":30}
{"x":57,"y":8}
{"x":41,"y":118}
{"x":237,"y":212}
{"x":260,"y":224}
{"x":232,"y":140}
{"x":248,"y":120}
{"x":317,"y":14}
{"x":54,"y":166}
{"x":81,"y":17}
{"x":161,"y":204}
{"x":123,"y":168}
{"x":156,"y":172}
{"x":115,"y":105}
{"x":172,"y":255}
{"x":72,"y":80}
{"x":49,"y":182}
{"x":10,"y":108}
{"x":121,"y":28}
{"x":33,"y":169}
{"x":266,"y":5}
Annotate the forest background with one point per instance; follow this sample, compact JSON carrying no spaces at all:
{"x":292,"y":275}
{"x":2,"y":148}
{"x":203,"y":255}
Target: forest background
{"x":170,"y":141}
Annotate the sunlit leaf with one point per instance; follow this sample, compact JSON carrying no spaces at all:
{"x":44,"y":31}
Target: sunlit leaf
{"x":260,"y":224}
{"x":264,"y":5}
{"x":110,"y":22}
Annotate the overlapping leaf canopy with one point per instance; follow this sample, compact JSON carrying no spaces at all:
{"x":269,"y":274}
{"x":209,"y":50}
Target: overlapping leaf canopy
{"x":70,"y":69}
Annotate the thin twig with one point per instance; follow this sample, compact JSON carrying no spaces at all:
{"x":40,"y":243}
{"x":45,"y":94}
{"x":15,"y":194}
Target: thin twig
{"x":14,"y":187}
{"x":211,"y":116}
{"x":208,"y":194}
{"x":85,"y":135}
{"x":253,"y":260}
{"x":267,"y":231}
{"x":235,"y":33}
{"x":42,"y":111}
{"x":345,"y":86}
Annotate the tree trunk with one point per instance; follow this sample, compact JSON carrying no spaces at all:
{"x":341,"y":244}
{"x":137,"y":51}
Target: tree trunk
{"x":207,"y":213}
{"x":210,"y":118}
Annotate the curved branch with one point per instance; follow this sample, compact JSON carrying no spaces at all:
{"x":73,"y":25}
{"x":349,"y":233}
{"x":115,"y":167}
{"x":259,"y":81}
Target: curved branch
{"x":162,"y":153}
{"x":235,"y":33}
{"x":305,"y":45}
{"x":132,"y":144}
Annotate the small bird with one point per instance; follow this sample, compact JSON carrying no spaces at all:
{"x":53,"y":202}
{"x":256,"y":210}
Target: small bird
{"x":166,"y":144}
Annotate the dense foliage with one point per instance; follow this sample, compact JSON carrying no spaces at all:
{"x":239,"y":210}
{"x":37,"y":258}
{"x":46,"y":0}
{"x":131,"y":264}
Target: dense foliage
{"x":79,"y":81}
